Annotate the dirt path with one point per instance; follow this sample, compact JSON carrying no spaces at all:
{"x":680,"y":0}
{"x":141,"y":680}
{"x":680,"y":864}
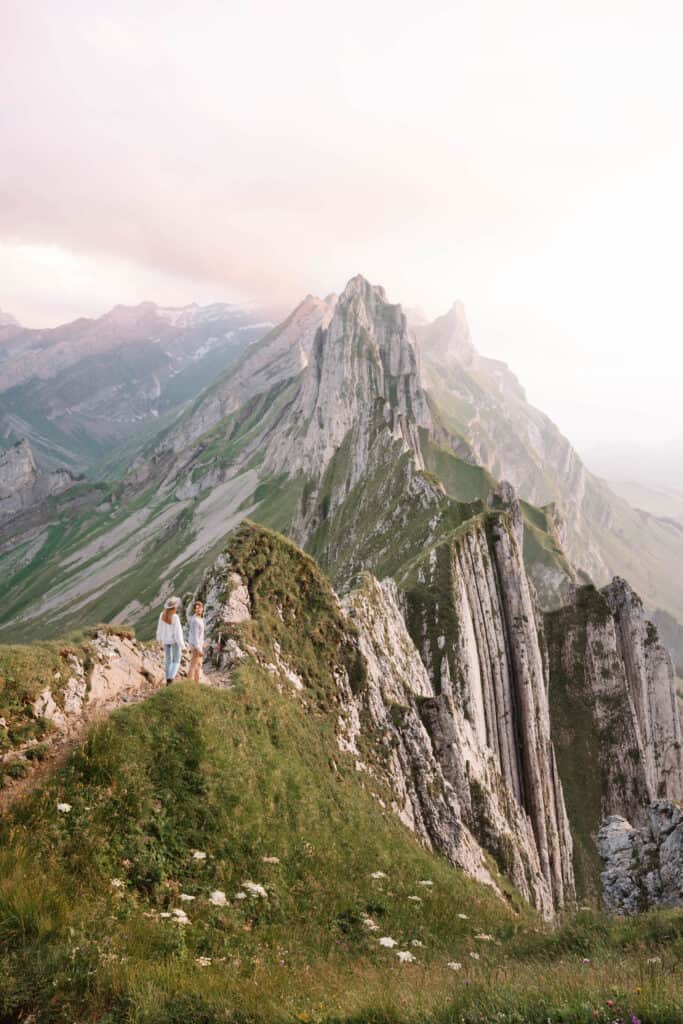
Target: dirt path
{"x":62,"y":742}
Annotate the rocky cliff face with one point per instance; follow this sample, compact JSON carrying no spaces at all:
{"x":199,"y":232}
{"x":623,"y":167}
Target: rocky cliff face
{"x":614,"y":714}
{"x":467,"y":772}
{"x":643,"y":866}
{"x":362,"y":362}
{"x":472,"y":615}
{"x":22,"y":486}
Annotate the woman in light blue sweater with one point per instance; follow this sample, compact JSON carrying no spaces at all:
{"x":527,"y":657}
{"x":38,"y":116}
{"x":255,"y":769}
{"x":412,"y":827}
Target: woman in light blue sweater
{"x":170,"y":634}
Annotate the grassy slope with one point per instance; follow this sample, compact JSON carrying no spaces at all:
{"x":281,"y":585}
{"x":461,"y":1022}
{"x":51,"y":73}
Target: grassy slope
{"x":255,"y":773}
{"x":241,"y":776}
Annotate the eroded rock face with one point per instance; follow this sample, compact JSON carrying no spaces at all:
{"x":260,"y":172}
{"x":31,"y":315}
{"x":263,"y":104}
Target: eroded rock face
{"x":615,"y":719}
{"x":362,"y":379}
{"x":446,"y":777}
{"x":472,"y":615}
{"x":650,"y":678}
{"x":22,"y":486}
{"x":643,"y":867}
{"x":119,"y":666}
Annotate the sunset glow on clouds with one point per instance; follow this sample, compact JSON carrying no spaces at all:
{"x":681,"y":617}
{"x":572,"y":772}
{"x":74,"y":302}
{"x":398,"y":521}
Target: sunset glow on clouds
{"x":525,"y":158}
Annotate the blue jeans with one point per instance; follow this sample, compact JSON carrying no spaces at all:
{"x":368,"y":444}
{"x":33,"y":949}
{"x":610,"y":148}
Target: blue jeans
{"x":172,"y":652}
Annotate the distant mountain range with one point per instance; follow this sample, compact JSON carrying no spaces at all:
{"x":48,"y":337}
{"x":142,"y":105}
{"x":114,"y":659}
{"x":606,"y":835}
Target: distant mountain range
{"x":83,"y":392}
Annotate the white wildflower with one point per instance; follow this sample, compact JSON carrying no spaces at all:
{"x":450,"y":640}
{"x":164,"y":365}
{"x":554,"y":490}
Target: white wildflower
{"x":483,"y":937}
{"x":255,"y":890}
{"x":164,"y":913}
{"x":63,"y":808}
{"x":417,"y":943}
{"x":415,"y":899}
{"x":179,"y":916}
{"x":117,"y":883}
{"x":203,"y":961}
{"x":185,"y":898}
{"x":198,"y":855}
{"x":426,"y":881}
{"x":378,"y":874}
{"x":463,"y":917}
{"x":240,"y":895}
{"x":654,"y":959}
{"x":475,"y":956}
{"x":387,"y":941}
{"x":217,"y":898}
{"x":454,"y":965}
{"x":270,"y":860}
{"x":405,"y":956}
{"x":371,"y":925}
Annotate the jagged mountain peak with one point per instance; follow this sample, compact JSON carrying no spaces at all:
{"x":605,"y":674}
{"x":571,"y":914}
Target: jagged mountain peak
{"x":449,"y":336}
{"x":362,"y":364}
{"x":359,"y":286}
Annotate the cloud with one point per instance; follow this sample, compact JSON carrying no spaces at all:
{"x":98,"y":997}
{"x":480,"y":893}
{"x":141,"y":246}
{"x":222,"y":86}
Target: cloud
{"x":521,"y":157}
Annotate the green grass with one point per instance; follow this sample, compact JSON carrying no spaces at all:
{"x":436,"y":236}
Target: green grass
{"x":252,"y":774}
{"x":254,"y":779}
{"x":462,"y":480}
{"x":25,"y":671}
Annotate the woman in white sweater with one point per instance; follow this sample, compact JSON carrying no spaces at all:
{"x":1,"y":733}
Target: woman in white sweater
{"x":170,"y":634}
{"x":195,"y":639}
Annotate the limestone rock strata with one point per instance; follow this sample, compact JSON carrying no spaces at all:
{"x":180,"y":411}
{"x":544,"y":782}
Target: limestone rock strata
{"x":603,"y":647}
{"x":472,"y":615}
{"x":615,"y":722}
{"x":118,"y":666}
{"x":643,"y":867}
{"x":462,"y":757}
{"x":446,"y":783}
{"x":361,"y":382}
{"x":650,"y":679}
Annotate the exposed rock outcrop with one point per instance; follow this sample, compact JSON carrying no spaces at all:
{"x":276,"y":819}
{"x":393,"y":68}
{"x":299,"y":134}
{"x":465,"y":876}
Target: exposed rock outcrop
{"x":22,"y":485}
{"x":472,"y":615}
{"x":468,"y":765}
{"x":116,"y":665}
{"x":615,"y":722}
{"x":643,"y":867}
{"x":449,"y":784}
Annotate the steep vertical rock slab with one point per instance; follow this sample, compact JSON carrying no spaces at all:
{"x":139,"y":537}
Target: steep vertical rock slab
{"x":650,"y":678}
{"x":472,"y":615}
{"x":614,"y":716}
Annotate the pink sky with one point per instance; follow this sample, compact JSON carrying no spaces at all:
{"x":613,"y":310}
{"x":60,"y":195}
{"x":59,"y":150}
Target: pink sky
{"x":524,"y":157}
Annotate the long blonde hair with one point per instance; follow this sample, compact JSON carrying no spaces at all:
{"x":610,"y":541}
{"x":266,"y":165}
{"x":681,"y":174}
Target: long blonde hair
{"x":167,"y":615}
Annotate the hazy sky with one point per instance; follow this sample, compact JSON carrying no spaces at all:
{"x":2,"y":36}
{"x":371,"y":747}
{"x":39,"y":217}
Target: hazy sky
{"x":525,"y":157}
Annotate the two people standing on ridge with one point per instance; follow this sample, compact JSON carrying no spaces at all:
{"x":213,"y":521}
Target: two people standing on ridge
{"x":170,"y":635}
